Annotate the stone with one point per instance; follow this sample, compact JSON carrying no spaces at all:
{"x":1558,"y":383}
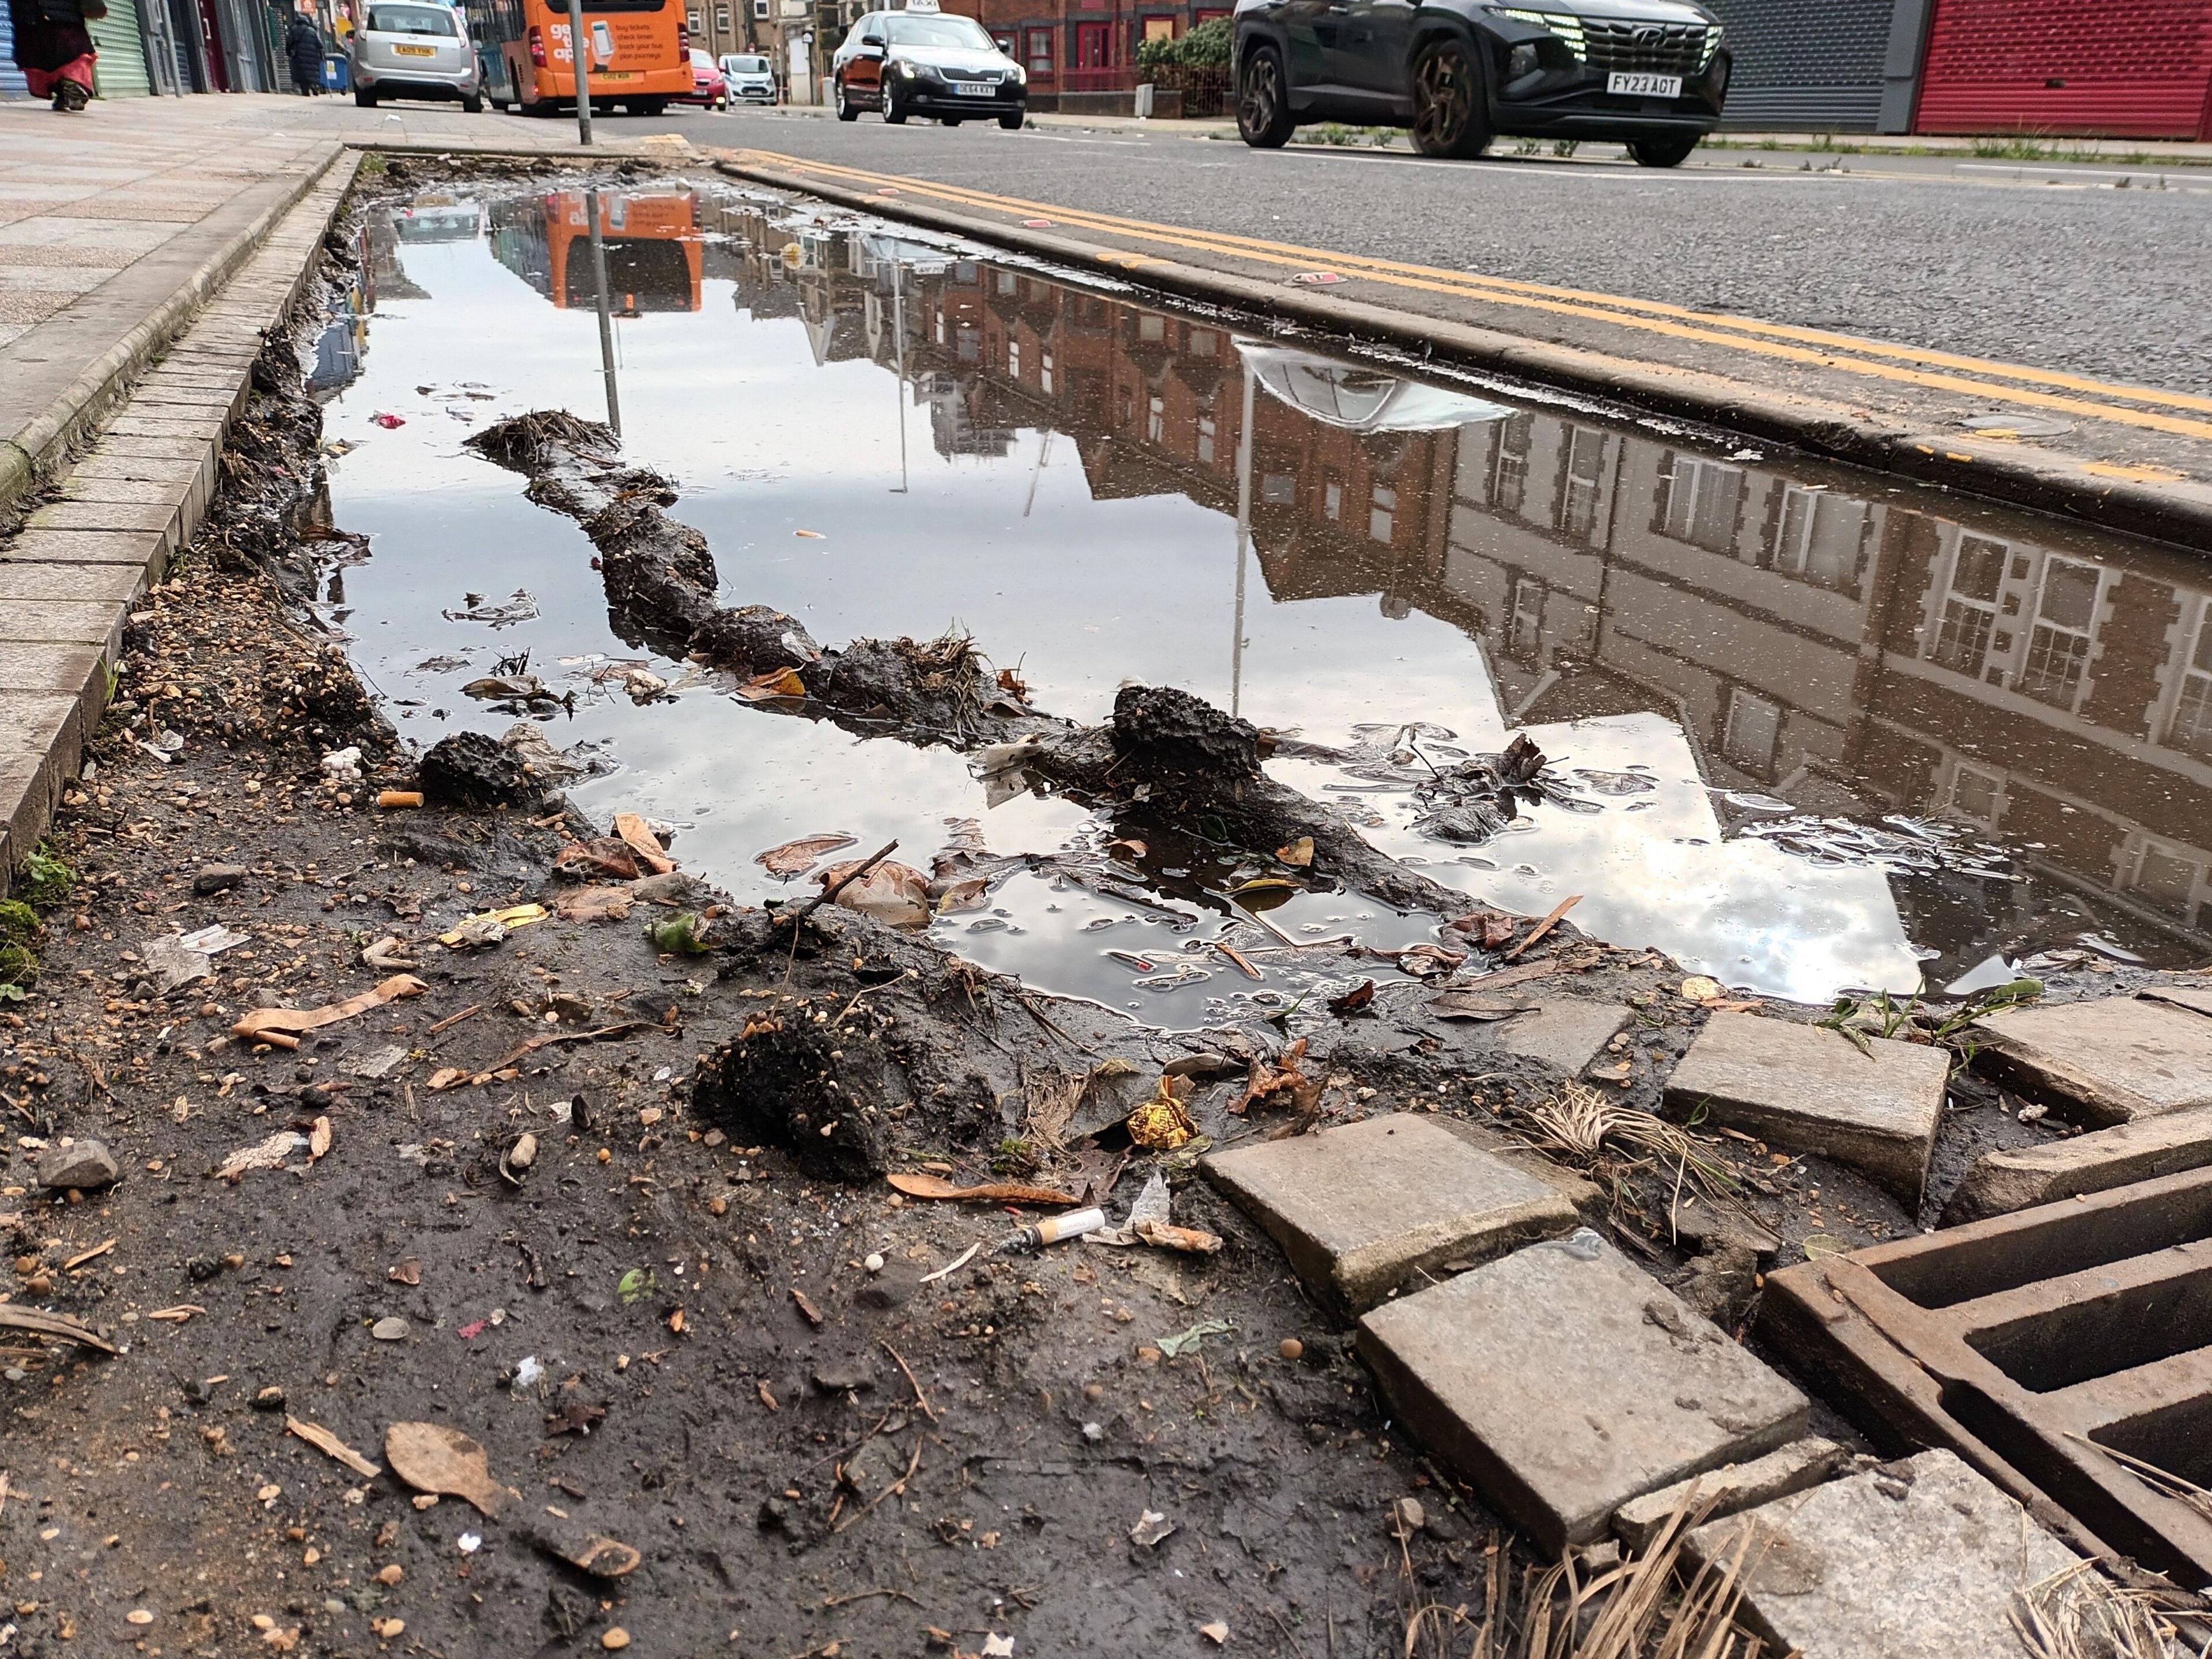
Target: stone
{"x":1723,"y":1284}
{"x":377,"y":1064}
{"x":470,"y":768}
{"x":1562,"y":1381}
{"x":2111,"y":1060}
{"x":2001,"y":1182}
{"x":1732,"y":1490}
{"x":1566,"y":1032}
{"x":1812,"y":1090}
{"x":1591,"y":1201}
{"x":1916,"y":1561}
{"x":215,"y":877}
{"x":1356,"y":1209}
{"x":85,"y":1165}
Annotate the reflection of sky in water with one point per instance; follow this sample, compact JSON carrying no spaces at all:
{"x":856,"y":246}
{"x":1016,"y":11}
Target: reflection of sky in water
{"x":1082,"y":594}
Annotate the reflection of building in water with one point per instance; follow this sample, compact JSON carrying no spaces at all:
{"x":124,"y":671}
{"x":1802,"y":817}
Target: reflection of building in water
{"x":654,"y":253}
{"x":1846,"y":654}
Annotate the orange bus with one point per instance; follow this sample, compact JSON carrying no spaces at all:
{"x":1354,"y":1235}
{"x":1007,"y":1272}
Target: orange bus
{"x":639,"y":53}
{"x":654,"y":253}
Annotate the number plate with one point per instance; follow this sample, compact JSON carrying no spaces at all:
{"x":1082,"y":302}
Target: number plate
{"x":1645,"y":85}
{"x":974,"y":88}
{"x":614,"y":75}
{"x":415,"y":51}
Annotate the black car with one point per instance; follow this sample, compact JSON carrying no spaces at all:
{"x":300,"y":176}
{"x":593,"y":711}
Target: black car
{"x":924,"y":62}
{"x":1651,"y":74}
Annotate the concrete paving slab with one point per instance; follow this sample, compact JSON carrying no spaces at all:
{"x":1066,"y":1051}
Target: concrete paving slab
{"x":97,"y":623}
{"x":28,"y":794}
{"x":21,"y":580}
{"x":1567,"y":1032}
{"x":41,"y":668}
{"x":145,"y":549}
{"x":1732,"y":1490}
{"x":1810,"y":1090}
{"x":105,"y":515}
{"x":2107,"y":1061}
{"x":1358,"y":1209}
{"x":1918,"y":1561}
{"x":2001,"y":1182}
{"x":1564,"y":1381}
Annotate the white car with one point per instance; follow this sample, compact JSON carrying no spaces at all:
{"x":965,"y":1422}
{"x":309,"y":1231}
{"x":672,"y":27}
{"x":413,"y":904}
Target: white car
{"x":752,"y":80}
{"x":414,"y":49}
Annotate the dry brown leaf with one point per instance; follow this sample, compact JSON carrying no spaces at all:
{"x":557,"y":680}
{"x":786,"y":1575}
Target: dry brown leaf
{"x":269,"y":1154}
{"x":593,"y":904}
{"x":328,"y":1443}
{"x":293,"y":1021}
{"x":891,"y":892}
{"x":409,"y":1272}
{"x":996,"y":1192}
{"x":638,"y":836}
{"x":968,"y":895}
{"x":778,"y":683}
{"x":319,"y":1139}
{"x":1298,"y":854}
{"x":432,"y":1458}
{"x":1285,"y":1075}
{"x":796,"y":857}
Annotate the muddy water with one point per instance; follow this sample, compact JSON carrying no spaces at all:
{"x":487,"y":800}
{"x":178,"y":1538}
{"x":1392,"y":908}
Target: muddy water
{"x":1823,"y":731}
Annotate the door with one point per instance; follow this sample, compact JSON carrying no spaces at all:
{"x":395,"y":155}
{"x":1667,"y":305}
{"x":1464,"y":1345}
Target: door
{"x":1308,"y":31}
{"x":120,"y":68}
{"x":12,"y":84}
{"x":1369,"y":63}
{"x":218,"y":66}
{"x":864,"y":70}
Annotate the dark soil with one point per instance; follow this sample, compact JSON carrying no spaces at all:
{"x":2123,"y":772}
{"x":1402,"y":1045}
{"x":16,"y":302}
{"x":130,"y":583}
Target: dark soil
{"x":663,"y":1329}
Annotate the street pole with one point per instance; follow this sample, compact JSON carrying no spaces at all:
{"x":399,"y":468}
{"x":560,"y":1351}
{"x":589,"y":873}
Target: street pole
{"x":578,"y":51}
{"x":606,"y":317}
{"x":1243,"y":537}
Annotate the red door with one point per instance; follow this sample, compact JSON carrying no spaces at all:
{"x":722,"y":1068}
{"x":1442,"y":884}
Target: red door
{"x":2121,"y":69}
{"x":1094,"y":46}
{"x":217,"y":71}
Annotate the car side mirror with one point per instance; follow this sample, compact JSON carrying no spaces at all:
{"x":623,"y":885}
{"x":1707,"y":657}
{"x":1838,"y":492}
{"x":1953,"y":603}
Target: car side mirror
{"x":872,"y":43}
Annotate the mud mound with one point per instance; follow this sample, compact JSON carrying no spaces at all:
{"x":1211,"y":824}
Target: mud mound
{"x":753,"y":638}
{"x":824,"y":1092}
{"x":540,"y":438}
{"x":1167,"y":733}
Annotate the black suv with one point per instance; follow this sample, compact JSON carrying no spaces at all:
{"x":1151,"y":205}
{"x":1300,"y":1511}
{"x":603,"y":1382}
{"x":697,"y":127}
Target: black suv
{"x":1651,"y":74}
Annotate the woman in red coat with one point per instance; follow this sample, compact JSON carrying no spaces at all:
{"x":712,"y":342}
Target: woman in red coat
{"x":54,"y":49}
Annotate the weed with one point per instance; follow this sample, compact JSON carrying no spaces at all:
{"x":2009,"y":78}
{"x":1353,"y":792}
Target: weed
{"x":47,"y":879}
{"x":1014,"y":1158}
{"x":1564,"y":148}
{"x":1333,"y":132}
{"x":1908,"y":1019}
{"x":1529,"y":147}
{"x":19,"y":956}
{"x":373,"y":166}
{"x":1581,"y":1127}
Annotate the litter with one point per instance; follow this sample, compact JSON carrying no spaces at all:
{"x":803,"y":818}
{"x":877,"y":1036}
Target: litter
{"x":1160,"y":1124}
{"x":996,"y":1192}
{"x":953,"y":1266}
{"x":389,"y":422}
{"x":473,"y":932}
{"x":269,"y":1154}
{"x":1052,"y":1230}
{"x":283,"y":1026}
{"x":1189,"y":1342}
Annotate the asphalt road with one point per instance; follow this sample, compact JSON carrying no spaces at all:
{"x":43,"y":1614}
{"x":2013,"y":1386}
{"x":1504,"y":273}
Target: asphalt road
{"x":1986,"y":258}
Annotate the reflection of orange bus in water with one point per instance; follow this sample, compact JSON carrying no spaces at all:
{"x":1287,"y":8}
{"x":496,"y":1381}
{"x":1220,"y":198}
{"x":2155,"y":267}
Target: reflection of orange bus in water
{"x":655,"y":256}
{"x":639,"y":53}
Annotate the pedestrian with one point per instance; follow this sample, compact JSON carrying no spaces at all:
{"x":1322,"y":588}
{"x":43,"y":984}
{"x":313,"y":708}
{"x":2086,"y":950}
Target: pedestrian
{"x":303,"y":45}
{"x":54,"y":49}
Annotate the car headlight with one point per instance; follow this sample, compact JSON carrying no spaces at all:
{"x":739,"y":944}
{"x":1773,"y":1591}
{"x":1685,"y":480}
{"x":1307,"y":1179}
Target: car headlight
{"x":1566,"y":25}
{"x":904,"y":68}
{"x":1018,"y":75}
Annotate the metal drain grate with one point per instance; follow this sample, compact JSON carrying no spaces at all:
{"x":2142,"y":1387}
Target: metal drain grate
{"x":2059,"y":1350}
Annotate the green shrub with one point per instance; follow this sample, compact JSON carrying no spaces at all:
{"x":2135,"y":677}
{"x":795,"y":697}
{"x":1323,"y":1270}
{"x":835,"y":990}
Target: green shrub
{"x":1206,"y":46}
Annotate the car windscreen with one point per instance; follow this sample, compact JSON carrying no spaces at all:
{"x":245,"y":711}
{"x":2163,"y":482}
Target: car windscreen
{"x":956,"y":32}
{"x":411,"y":20}
{"x":745,"y":65}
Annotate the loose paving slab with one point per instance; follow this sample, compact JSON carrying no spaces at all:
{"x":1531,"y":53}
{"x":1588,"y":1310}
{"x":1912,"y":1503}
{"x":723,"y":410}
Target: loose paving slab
{"x":1359,"y":1208}
{"x":1731,"y":1490}
{"x":2108,"y":1061}
{"x":1812,"y":1090}
{"x":1916,"y":1561}
{"x":1568,"y":1032}
{"x":1564,"y":1381}
{"x":2020,"y":1178}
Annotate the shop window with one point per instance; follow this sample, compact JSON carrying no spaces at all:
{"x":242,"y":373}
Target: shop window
{"x":1036,"y":47}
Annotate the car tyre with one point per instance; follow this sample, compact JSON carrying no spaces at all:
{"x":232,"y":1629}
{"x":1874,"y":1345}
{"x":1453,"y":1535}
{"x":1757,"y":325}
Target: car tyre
{"x":894,"y":112}
{"x":1662,"y":152}
{"x":845,"y":110}
{"x":950,"y":120}
{"x":365,"y":97}
{"x":1012,"y":120}
{"x":1451,"y":113}
{"x":472,"y":104}
{"x":1263,"y":102}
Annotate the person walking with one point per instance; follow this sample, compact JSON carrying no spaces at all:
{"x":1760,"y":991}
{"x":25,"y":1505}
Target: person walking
{"x":54,"y":49}
{"x":303,"y":45}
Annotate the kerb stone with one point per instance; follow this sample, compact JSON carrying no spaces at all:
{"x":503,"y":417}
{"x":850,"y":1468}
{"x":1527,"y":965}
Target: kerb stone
{"x":2108,"y":1061}
{"x":1916,"y":1561}
{"x":1814,"y":1091}
{"x":1564,"y":1381}
{"x":1356,"y":1209}
{"x":2003,"y":1182}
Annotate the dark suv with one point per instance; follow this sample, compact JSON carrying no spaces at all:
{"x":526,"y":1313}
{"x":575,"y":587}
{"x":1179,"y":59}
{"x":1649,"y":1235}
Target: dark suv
{"x":1651,"y":74}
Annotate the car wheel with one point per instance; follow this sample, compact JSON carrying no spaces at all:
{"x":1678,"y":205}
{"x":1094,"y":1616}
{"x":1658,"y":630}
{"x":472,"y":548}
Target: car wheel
{"x":365,"y":96}
{"x":1662,"y":152}
{"x":949,"y":120}
{"x":1012,"y":120}
{"x":1451,"y":116}
{"x":894,"y":112}
{"x":1263,"y":102}
{"x":845,"y":110}
{"x":472,"y":104}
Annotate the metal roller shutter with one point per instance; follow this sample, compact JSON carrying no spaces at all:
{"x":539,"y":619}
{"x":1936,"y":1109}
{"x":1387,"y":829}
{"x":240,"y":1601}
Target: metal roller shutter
{"x":120,"y":70}
{"x":1801,"y":68}
{"x":2122,"y":68}
{"x":11,"y":78}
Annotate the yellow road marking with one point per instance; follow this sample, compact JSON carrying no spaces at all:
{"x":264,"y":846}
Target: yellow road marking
{"x":1657,"y":318}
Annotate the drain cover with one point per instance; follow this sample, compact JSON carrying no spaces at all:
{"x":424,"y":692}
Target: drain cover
{"x":1998,"y":425}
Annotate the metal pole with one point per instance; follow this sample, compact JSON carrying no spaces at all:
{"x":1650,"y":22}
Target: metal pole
{"x":599,"y":276}
{"x":578,"y":51}
{"x":1244,"y":538}
{"x":898,"y":335}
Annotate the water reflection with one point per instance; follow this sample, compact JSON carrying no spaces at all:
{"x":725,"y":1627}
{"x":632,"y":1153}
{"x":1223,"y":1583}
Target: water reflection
{"x":1738,"y":661}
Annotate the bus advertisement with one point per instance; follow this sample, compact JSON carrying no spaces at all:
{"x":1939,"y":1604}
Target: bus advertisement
{"x":654,"y":253}
{"x":638,"y":54}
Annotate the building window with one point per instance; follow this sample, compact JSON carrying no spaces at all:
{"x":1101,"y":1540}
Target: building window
{"x":1151,"y":327}
{"x":1331,"y":499}
{"x":1700,"y":502}
{"x":1382,"y":513}
{"x":1044,"y":373}
{"x":1037,"y":45}
{"x":1970,"y":609}
{"x":1822,"y":539}
{"x":1156,"y":421}
{"x":1159,"y":29}
{"x":2058,"y":644}
{"x":1094,"y":46}
{"x":1279,"y":490}
{"x":691,"y":22}
{"x":1509,"y":477}
{"x":2191,"y":729}
{"x":1585,"y":464}
{"x":1526,"y":629}
{"x":1754,"y":726}
{"x":760,"y":10}
{"x":1202,"y":342}
{"x":2170,"y":878}
{"x":1206,"y":440}
{"x":1006,"y":282}
{"x":722,"y":19}
{"x":1205,"y":16}
{"x":1014,"y":358}
{"x":1977,"y":795}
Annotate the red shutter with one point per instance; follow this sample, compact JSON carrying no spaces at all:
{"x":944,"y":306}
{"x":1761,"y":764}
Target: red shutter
{"x":2121,"y":69}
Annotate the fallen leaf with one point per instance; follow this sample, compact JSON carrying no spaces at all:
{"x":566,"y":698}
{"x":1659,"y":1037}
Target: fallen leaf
{"x":1189,"y":1341}
{"x":1164,"y":1236}
{"x":593,"y":904}
{"x":1160,"y":1124}
{"x":1285,"y":1074}
{"x":291,"y":1022}
{"x":968,"y":895}
{"x":434,"y":1459}
{"x":1264,"y":884}
{"x":409,"y":1272}
{"x":447,"y":1076}
{"x":806,"y":1306}
{"x":269,"y":1154}
{"x":574,"y":1417}
{"x":1354,"y":1001}
{"x":778,"y":682}
{"x":1470,"y":1005}
{"x":796,"y":857}
{"x":1136,"y":848}
{"x":1699,"y":988}
{"x":892,"y":892}
{"x":1298,"y":854}
{"x":1217,"y":1632}
{"x":1491,"y":929}
{"x":602,"y":856}
{"x":638,"y":836}
{"x":996,"y":1192}
{"x":329,"y":1444}
{"x":1547,"y":925}
{"x":514,"y":916}
{"x":319,"y":1139}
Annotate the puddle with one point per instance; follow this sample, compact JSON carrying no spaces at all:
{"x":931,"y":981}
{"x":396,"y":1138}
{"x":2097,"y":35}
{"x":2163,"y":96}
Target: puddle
{"x":1822,"y":731}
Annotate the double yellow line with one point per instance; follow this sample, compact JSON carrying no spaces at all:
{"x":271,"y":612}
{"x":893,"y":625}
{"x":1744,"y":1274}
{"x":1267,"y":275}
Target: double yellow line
{"x":2005,"y":383}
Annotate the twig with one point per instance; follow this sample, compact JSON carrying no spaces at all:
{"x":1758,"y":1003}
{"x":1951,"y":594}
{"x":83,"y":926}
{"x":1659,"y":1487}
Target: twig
{"x":953,"y":1266}
{"x":452,"y":1020}
{"x":870,"y":991}
{"x":1547,"y":925}
{"x":78,"y":1261}
{"x":1046,"y":1021}
{"x":920,"y":1399}
{"x":862,"y":1595}
{"x":1250,"y":915}
{"x":897,"y":1486}
{"x":799,"y":916}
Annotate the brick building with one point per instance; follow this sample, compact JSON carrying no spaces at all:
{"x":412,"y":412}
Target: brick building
{"x":1082,"y":50}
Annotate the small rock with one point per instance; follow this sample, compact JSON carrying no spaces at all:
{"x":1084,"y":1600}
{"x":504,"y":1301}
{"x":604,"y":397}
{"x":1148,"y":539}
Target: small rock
{"x":84,"y":1164}
{"x":271,"y":1399}
{"x":1291,"y":1348}
{"x":615,"y":1638}
{"x":391,"y":1328}
{"x":843,"y":1377}
{"x":524,"y":1153}
{"x":1408,"y":1517}
{"x":1723,"y":1284}
{"x":215,"y":877}
{"x":874,"y":1264}
{"x":390,"y":1575}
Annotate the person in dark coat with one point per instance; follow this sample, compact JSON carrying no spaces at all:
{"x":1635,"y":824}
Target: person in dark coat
{"x":54,"y":49}
{"x":303,"y":45}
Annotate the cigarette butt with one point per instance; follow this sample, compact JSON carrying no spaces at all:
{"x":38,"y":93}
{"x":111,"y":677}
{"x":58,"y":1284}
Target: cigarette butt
{"x":391,"y":798}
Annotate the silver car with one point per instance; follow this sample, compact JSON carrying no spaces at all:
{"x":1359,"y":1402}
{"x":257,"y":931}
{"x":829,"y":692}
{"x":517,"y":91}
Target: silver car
{"x":414,"y":49}
{"x":751,"y":79}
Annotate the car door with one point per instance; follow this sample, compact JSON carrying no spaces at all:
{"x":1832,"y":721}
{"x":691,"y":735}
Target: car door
{"x":1302,"y":22}
{"x":864,"y":70}
{"x":1374,"y":38}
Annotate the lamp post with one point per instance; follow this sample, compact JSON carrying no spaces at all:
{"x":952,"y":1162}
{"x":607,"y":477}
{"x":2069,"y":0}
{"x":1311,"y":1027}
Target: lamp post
{"x":577,"y":54}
